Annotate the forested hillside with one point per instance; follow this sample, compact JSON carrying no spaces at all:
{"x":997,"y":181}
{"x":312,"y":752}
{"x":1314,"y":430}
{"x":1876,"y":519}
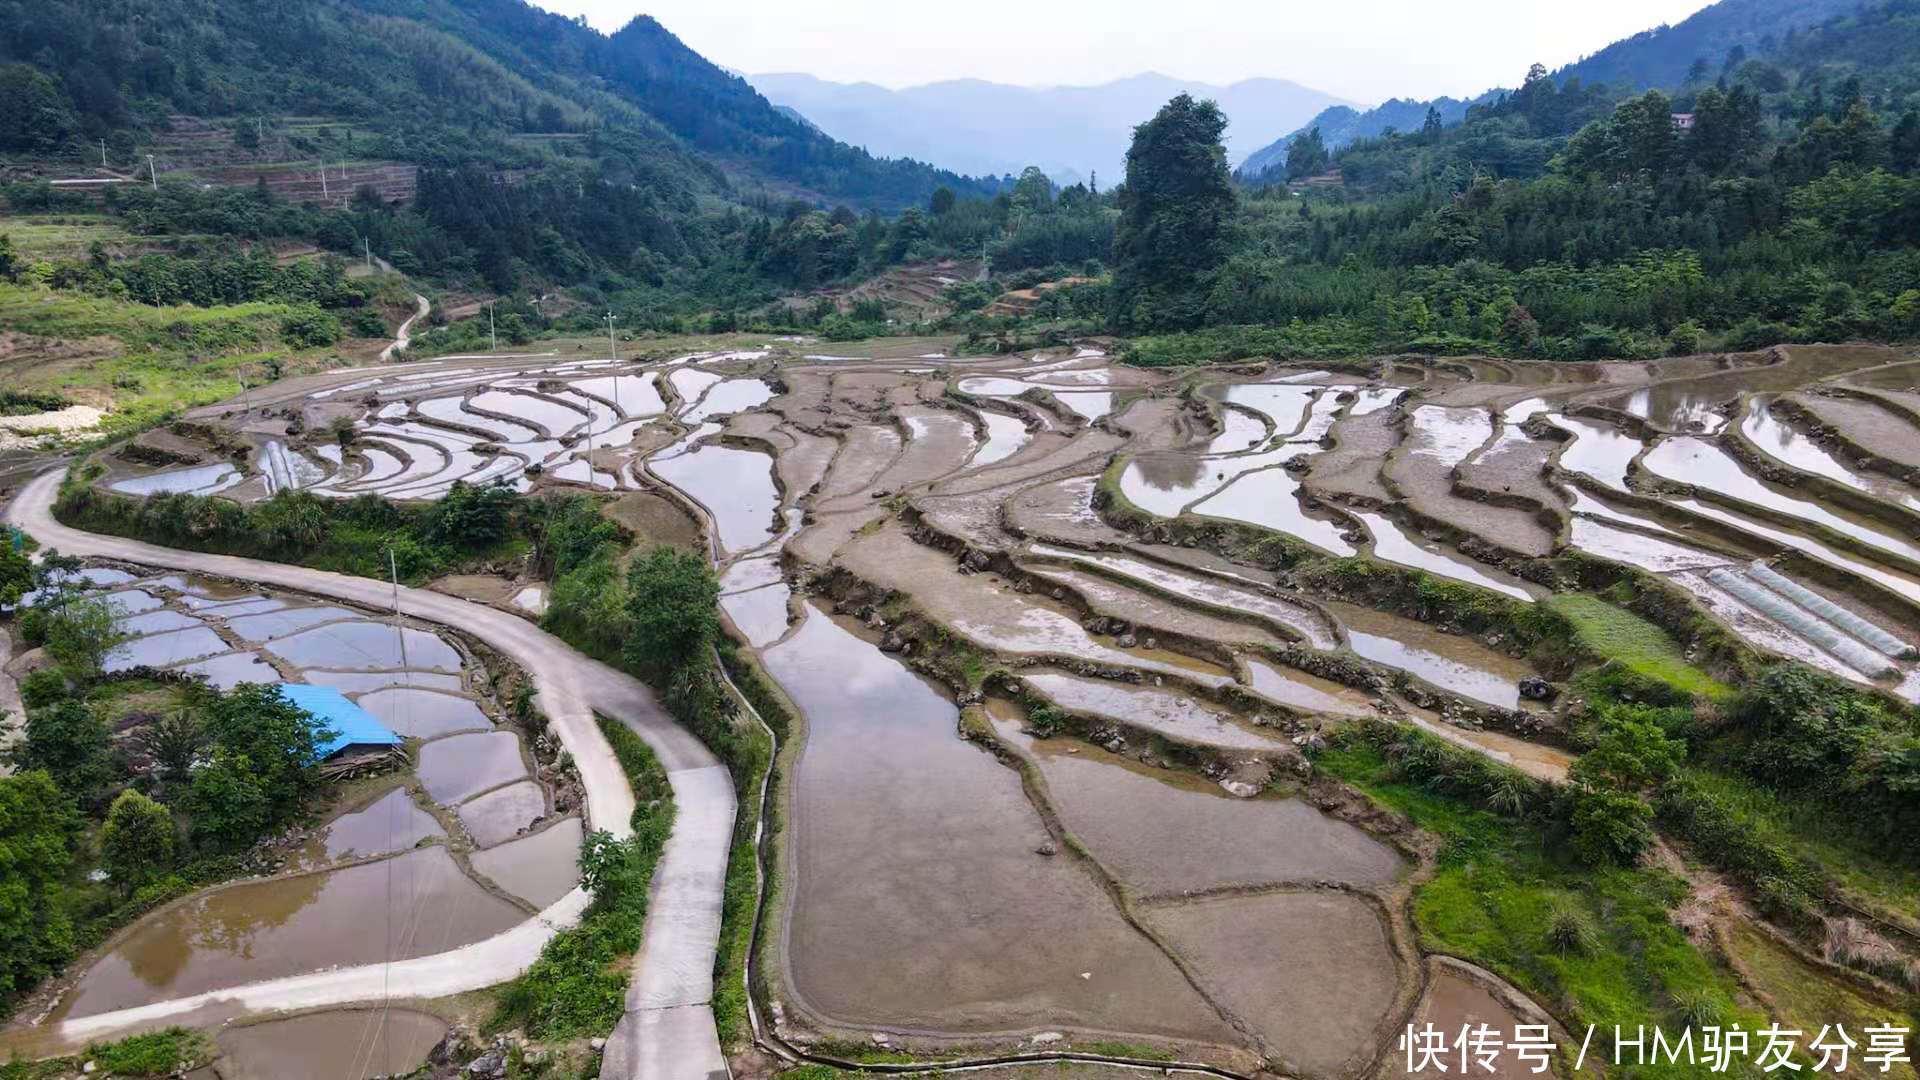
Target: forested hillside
{"x":1775,"y":199}
{"x":1665,"y":57}
{"x":439,"y":82}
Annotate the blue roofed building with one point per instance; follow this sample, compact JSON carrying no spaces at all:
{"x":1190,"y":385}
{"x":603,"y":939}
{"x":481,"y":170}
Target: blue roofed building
{"x":354,"y":731}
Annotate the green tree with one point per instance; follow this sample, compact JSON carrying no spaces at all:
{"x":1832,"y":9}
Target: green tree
{"x":942,"y":201}
{"x":137,"y":841}
{"x":69,"y":742}
{"x":34,"y":112}
{"x":39,"y":831}
{"x":80,"y":635}
{"x":672,"y":613}
{"x":1631,"y":753}
{"x":1176,"y":217}
{"x":229,"y":805}
{"x":1307,"y":154}
{"x":173,"y":739}
{"x":279,"y":740}
{"x":9,"y":262}
{"x":1611,"y":828}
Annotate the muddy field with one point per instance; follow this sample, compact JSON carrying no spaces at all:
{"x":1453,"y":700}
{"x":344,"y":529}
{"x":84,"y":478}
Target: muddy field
{"x":1057,"y":632}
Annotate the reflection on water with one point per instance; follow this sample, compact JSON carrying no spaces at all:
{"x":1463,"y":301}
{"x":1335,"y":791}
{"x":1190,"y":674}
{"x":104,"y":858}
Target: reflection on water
{"x":736,"y":486}
{"x":1787,"y":445}
{"x":345,"y":1044}
{"x":1704,"y":464}
{"x":1394,"y":545}
{"x":917,"y":898}
{"x":411,"y":905}
{"x":1448,"y":661}
{"x":1175,"y":715}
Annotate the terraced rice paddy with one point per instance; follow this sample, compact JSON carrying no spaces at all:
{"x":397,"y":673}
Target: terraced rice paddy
{"x":1147,"y":593}
{"x":335,"y":904}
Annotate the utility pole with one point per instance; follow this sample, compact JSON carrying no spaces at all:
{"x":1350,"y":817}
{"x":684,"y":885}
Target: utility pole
{"x":491,"y":336}
{"x":324,"y":194}
{"x":153,"y":173}
{"x":103,"y":153}
{"x":367,"y":243}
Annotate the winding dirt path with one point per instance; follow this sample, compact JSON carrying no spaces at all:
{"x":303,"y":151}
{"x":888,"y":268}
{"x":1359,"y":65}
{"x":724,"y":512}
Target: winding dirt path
{"x":404,"y":336}
{"x":668,"y":1032}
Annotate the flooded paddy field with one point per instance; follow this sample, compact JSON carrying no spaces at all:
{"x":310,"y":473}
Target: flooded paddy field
{"x":450,"y":844}
{"x":908,"y":543}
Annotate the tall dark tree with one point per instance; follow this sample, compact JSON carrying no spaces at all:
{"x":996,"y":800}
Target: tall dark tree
{"x":1308,"y":155}
{"x":1176,"y":211}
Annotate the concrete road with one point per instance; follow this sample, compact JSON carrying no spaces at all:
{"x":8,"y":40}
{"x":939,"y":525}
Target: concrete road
{"x":668,"y":1032}
{"x":404,"y":336}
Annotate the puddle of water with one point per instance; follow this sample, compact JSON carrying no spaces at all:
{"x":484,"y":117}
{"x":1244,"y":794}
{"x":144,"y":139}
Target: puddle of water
{"x":1175,"y":715}
{"x":760,"y":614}
{"x":1448,"y":661}
{"x":365,"y":646}
{"x":540,"y":868}
{"x":750,"y":574}
{"x":1321,"y":418}
{"x":1030,"y":628}
{"x":1580,"y":502}
{"x":1090,"y":404}
{"x":1695,"y":461}
{"x":1005,"y":436}
{"x":353,"y":1044}
{"x":359,"y":682}
{"x":1285,"y":406}
{"x":231,"y":669}
{"x":500,"y":814}
{"x":392,"y":823}
{"x":1167,"y":832}
{"x":735,"y":485}
{"x":197,"y":479}
{"x":131,"y":601}
{"x":918,"y":900}
{"x":1312,"y":972}
{"x":284,"y":621}
{"x":1270,"y":498}
{"x":1646,"y":552}
{"x":165,"y":650}
{"x":229,"y":609}
{"x":637,"y":395}
{"x":1787,"y":445}
{"x":1304,"y":692}
{"x":411,"y":905}
{"x":544,"y":413}
{"x":1597,"y":451}
{"x":1374,"y":398}
{"x":1393,"y":545}
{"x":460,"y":766}
{"x":1238,"y":431}
{"x":1302,"y":620}
{"x":690,"y":383}
{"x":1446,"y":435}
{"x":732,"y":396}
{"x":424,"y":714}
{"x":156,"y":622}
{"x":1684,"y":405}
{"x":1163,"y":484}
{"x":452,"y":410}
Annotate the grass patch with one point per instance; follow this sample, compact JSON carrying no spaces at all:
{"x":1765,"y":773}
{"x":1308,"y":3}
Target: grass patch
{"x":167,"y":1052}
{"x":1643,"y":648}
{"x":1855,"y":860}
{"x":1502,"y":885}
{"x":150,"y":362}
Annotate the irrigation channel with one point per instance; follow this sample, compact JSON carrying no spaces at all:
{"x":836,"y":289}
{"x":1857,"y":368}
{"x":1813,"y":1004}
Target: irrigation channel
{"x":1051,"y":637}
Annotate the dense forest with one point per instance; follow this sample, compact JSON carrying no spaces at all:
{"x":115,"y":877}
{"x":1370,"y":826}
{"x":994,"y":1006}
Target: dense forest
{"x":1773,"y":197}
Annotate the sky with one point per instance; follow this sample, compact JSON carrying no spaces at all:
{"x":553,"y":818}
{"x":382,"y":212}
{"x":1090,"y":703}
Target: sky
{"x":1363,"y":50}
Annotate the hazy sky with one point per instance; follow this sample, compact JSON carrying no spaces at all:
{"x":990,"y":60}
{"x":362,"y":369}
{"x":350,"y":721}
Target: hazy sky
{"x":1366,"y":50}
